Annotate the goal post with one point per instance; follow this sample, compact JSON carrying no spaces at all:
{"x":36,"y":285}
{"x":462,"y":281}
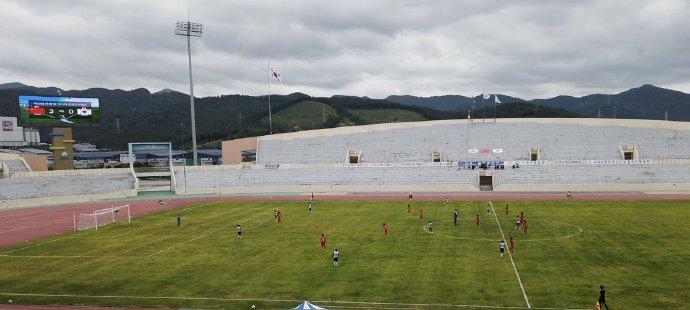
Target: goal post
{"x":103,"y":217}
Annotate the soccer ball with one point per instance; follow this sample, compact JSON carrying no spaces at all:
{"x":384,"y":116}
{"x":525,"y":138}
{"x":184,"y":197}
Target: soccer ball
{"x":10,"y":301}
{"x":253,"y":306}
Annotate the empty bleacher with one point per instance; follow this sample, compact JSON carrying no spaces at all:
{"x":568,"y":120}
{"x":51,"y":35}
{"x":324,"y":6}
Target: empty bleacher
{"x":224,"y":178}
{"x":48,"y":186}
{"x":555,"y":141}
{"x":598,"y":174}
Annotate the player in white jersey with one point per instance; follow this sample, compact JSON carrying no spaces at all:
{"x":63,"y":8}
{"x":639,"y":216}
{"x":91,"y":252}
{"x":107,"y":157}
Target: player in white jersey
{"x":447,"y":201}
{"x":239,"y":231}
{"x":309,"y":207}
{"x":336,"y":256}
{"x":518,"y":222}
{"x":501,"y":247}
{"x":429,"y":227}
{"x":488,"y":208}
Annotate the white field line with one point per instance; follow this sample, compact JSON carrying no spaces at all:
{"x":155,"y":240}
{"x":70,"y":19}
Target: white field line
{"x":84,"y":232}
{"x":205,"y":234}
{"x":579,"y":231}
{"x":38,"y":244}
{"x":70,"y":256}
{"x":159,"y":215}
{"x":279,"y":300}
{"x":511,"y":258}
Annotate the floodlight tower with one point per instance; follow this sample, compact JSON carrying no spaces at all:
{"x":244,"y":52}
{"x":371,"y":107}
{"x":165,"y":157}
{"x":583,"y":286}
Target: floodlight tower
{"x":189,"y":30}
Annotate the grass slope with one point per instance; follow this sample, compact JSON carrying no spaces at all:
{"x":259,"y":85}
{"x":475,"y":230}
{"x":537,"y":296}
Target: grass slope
{"x":304,"y":115}
{"x":634,"y":248}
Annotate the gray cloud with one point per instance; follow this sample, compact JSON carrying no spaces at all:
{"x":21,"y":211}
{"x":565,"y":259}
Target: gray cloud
{"x":375,"y":48}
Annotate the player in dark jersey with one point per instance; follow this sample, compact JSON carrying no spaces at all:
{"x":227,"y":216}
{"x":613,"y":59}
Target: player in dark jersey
{"x":336,"y":257}
{"x":506,"y":209}
{"x":602,"y":297}
{"x":385,"y":229}
{"x":456,"y":216}
{"x":409,"y":210}
{"x":518,"y":222}
{"x":322,"y":241}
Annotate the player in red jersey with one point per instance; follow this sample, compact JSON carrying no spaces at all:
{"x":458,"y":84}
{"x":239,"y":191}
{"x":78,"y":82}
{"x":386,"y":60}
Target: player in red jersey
{"x":522,"y":216}
{"x":506,"y":209}
{"x":280,"y":217}
{"x":385,"y":229}
{"x":421,"y":215}
{"x":511,"y":246}
{"x":322,"y":240}
{"x":525,"y":226}
{"x":476,"y":221}
{"x":409,"y":210}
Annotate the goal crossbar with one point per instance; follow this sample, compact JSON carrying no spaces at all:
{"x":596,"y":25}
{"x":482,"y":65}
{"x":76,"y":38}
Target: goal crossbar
{"x":102,"y":217}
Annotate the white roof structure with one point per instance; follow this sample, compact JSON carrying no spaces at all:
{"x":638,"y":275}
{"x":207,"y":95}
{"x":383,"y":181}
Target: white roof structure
{"x":308,"y":306}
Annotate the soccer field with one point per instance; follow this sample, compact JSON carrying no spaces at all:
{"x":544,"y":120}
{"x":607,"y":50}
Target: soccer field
{"x":638,"y":250}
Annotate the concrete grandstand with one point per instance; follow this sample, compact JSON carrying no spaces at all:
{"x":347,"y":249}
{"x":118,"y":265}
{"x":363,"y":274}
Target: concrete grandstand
{"x":434,"y":156}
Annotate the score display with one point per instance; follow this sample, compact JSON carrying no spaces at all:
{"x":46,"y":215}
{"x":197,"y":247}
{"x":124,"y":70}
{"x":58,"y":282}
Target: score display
{"x":59,"y":110}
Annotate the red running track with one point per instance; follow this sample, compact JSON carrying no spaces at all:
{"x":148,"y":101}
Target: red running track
{"x":21,"y":225}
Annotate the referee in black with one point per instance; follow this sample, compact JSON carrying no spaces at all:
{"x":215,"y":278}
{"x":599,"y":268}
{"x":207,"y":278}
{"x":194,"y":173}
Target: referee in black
{"x":602,"y":297}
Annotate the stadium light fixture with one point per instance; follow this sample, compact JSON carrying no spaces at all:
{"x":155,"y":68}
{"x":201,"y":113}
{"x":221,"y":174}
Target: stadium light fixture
{"x":189,"y":30}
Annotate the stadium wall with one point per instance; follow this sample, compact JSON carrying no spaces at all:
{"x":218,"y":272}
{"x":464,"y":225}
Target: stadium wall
{"x":232,"y":149}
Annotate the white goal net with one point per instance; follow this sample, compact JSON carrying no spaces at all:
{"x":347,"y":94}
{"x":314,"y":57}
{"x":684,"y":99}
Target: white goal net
{"x":103,"y":217}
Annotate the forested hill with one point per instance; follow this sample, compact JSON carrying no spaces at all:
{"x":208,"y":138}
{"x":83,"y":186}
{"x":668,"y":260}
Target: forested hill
{"x":644,"y":102}
{"x":164,"y":116}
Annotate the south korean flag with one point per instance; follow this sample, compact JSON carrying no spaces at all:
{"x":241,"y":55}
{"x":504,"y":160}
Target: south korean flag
{"x":84,"y":111}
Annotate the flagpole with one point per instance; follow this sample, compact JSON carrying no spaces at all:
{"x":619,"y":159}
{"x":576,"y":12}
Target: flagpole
{"x":483,"y":100}
{"x":268,"y":80}
{"x":495,"y":96}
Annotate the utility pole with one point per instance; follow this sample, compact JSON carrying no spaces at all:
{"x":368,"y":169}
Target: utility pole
{"x":189,"y":29}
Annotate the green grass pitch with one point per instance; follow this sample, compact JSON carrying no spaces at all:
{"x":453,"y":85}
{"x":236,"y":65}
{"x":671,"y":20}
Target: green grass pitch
{"x":638,"y":250}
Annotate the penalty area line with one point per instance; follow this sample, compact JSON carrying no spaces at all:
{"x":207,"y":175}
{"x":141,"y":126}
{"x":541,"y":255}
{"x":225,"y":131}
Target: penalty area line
{"x":205,"y":234}
{"x":517,"y":274}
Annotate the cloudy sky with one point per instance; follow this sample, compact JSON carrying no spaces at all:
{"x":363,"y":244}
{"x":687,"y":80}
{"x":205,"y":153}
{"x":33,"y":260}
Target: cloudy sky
{"x":528,"y":49}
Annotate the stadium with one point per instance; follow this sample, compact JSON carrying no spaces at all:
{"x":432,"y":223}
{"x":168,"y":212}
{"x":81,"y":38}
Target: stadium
{"x":311,"y":155}
{"x":606,"y":201}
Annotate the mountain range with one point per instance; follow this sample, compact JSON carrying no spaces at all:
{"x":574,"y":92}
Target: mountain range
{"x":139,"y":115}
